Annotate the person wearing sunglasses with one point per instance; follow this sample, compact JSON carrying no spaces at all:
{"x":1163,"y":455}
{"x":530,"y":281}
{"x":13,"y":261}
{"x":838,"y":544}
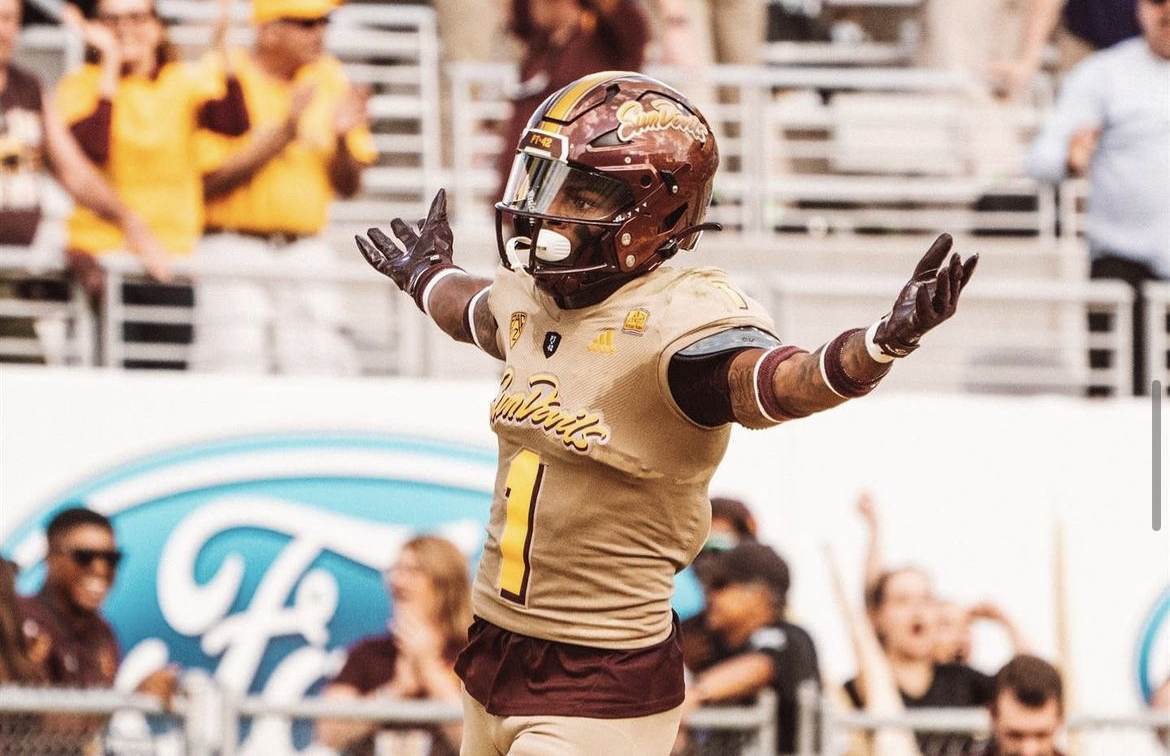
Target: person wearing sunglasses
{"x":1111,"y":124}
{"x":64,"y":617}
{"x":269,"y":192}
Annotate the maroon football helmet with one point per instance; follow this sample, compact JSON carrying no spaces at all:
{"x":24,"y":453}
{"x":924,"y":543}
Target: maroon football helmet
{"x":612,"y":176}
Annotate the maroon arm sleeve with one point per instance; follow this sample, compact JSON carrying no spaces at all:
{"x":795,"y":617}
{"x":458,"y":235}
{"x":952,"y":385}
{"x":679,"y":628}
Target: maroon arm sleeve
{"x":700,"y":388}
{"x":229,"y":114}
{"x":93,"y":132}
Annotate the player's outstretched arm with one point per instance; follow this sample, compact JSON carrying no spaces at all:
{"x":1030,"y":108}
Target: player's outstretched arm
{"x":419,"y":263}
{"x":852,"y":364}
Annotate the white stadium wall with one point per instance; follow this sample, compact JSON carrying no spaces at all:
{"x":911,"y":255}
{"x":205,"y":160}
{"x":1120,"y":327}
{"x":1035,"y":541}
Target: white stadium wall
{"x":972,"y":488}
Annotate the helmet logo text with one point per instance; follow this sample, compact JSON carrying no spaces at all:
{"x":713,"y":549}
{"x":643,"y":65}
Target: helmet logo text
{"x":662,"y":115}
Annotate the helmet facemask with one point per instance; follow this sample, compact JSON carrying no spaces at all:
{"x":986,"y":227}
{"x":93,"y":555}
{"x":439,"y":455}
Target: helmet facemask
{"x":559,"y":228}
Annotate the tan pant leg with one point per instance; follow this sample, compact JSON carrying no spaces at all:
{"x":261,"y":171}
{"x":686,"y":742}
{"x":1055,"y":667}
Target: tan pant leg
{"x":485,"y":734}
{"x":739,"y":30}
{"x":471,"y":29}
{"x":478,"y":727}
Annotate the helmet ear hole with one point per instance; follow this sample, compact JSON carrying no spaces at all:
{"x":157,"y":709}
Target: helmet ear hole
{"x":672,"y":219}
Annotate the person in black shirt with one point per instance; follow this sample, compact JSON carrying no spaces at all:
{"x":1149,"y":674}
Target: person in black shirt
{"x":902,"y":608}
{"x":753,"y":646}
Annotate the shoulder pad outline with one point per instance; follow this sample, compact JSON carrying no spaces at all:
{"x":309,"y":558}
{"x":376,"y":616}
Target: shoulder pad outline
{"x":731,"y":340}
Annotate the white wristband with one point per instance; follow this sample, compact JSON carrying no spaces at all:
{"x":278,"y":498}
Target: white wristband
{"x":875,"y":352}
{"x":426,"y":294}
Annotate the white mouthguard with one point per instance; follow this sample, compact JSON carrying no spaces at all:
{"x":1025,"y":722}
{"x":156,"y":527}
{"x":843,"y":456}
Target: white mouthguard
{"x":550,"y":247}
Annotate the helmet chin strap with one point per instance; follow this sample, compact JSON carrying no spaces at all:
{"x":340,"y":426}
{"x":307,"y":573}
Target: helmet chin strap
{"x":671,"y":247}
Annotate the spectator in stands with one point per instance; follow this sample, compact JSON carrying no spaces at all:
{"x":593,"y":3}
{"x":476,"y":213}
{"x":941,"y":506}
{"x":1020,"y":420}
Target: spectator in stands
{"x":269,"y":193}
{"x":17,"y":666}
{"x":82,"y":562}
{"x":1111,"y":124}
{"x":1027,"y":710}
{"x":901,"y":607}
{"x":952,"y":622}
{"x":562,"y":41}
{"x":732,"y":523}
{"x":1081,"y":26}
{"x":134,"y":110}
{"x":430,"y":591}
{"x":17,"y":662}
{"x":81,"y":565}
{"x":64,"y":617}
{"x":756,"y":648}
{"x":33,"y":137}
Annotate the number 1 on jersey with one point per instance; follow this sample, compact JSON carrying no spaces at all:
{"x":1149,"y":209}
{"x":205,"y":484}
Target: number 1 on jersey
{"x":521,"y":489}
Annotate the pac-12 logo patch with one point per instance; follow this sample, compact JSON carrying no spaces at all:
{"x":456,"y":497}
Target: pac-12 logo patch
{"x":552,"y":340}
{"x":635,"y":322}
{"x":516,"y":327}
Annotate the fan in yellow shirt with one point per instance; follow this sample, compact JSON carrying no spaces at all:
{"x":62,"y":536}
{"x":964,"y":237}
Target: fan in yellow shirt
{"x":268,"y":195}
{"x":134,"y":110}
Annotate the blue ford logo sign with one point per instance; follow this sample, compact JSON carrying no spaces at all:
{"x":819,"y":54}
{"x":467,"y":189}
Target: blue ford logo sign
{"x":260,"y":559}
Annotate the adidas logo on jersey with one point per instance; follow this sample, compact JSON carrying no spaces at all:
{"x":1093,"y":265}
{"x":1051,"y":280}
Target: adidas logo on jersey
{"x":603,"y":343}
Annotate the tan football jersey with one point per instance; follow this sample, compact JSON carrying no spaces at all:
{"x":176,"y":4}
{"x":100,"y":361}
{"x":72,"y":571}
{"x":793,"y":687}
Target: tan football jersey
{"x":601,"y":494}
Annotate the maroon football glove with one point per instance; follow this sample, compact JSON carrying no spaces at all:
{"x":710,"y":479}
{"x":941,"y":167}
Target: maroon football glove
{"x":427,"y":251}
{"x":929,"y":298}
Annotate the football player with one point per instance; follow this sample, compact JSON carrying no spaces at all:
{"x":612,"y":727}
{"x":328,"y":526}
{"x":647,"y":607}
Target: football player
{"x":621,"y":379}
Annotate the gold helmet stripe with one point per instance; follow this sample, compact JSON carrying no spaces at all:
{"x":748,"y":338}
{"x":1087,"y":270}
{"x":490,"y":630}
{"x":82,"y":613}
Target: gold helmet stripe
{"x":567,"y":101}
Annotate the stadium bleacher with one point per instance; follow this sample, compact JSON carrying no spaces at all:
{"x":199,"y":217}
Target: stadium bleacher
{"x":826,"y":169}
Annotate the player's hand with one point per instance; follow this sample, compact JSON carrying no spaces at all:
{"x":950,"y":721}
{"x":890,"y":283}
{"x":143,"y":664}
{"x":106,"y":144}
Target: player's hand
{"x":422,"y":253}
{"x":928,"y":298}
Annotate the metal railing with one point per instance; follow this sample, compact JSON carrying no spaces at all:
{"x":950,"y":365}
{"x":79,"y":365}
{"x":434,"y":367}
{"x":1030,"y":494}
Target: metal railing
{"x":1157,"y":295}
{"x":43,"y":312}
{"x":206,"y":721}
{"x":1015,"y":336}
{"x":837,"y":725}
{"x":817,"y":149}
{"x":390,"y":340}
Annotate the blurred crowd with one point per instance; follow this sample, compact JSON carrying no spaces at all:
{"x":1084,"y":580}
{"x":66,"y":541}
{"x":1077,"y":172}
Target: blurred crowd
{"x":913,"y":650}
{"x":236,"y":157}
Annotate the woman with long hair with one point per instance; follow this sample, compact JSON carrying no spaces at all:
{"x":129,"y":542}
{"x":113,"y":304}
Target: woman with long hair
{"x":430,"y":593}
